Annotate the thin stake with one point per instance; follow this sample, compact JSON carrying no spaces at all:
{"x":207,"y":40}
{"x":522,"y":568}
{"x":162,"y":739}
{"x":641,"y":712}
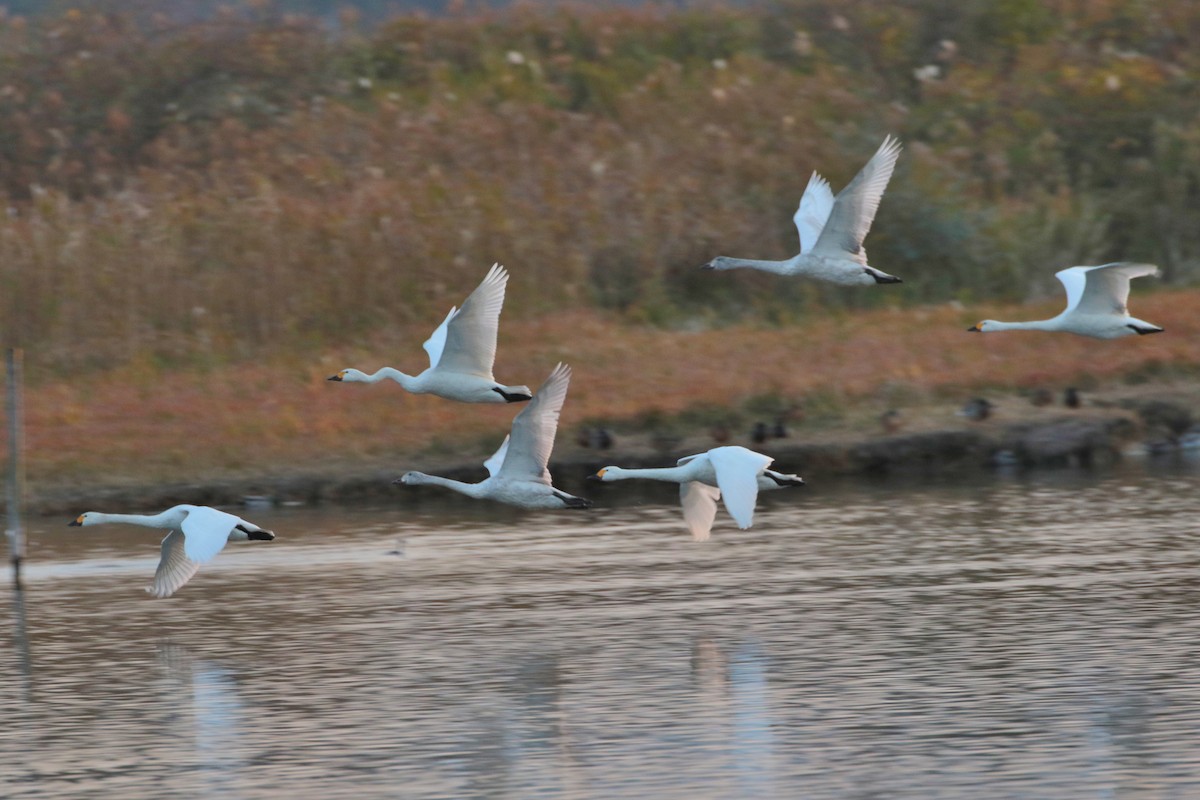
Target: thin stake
{"x":16,"y":466}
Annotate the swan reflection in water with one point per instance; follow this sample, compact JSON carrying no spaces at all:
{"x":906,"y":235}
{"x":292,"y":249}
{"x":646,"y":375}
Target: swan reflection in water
{"x":736,"y":694}
{"x":207,"y":696}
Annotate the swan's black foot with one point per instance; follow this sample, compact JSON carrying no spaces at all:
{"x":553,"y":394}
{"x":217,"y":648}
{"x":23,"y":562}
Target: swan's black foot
{"x":880,"y":278}
{"x":785,"y":480}
{"x":1144,"y":331}
{"x":570,"y":501}
{"x":512,"y":397}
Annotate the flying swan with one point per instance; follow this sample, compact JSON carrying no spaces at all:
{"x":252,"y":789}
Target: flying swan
{"x":461,"y":352}
{"x":197,"y":533}
{"x":733,"y":473}
{"x":832,"y":229}
{"x":517,"y":471}
{"x":1096,"y":307}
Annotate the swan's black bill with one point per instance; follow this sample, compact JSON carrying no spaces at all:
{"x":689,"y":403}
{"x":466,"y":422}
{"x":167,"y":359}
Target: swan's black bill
{"x":592,"y":477}
{"x":708,"y":265}
{"x":74,"y":523}
{"x":973,"y":329}
{"x":334,"y":378}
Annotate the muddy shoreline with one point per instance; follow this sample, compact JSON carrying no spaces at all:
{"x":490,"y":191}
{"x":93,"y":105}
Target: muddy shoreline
{"x":1020,"y":438}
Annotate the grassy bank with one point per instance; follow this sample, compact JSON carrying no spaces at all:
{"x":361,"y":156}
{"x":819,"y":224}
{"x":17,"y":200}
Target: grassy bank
{"x":142,"y":423}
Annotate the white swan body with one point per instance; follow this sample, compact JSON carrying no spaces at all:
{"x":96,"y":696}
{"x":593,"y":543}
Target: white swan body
{"x":1096,"y":304}
{"x":462,"y":352}
{"x":733,"y":473}
{"x":197,"y":534}
{"x":832,"y":229}
{"x":517,"y":471}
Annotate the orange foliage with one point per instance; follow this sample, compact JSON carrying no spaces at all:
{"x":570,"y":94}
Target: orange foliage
{"x":284,"y":417}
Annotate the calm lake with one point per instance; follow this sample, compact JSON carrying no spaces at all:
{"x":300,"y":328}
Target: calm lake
{"x":1018,"y":636}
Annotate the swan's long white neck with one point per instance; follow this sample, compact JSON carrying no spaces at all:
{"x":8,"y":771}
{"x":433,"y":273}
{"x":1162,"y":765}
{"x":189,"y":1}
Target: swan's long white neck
{"x":469,"y":489}
{"x":1028,"y":325}
{"x":164,"y":519}
{"x":672,"y":474}
{"x":728,"y":262}
{"x":402,"y":378}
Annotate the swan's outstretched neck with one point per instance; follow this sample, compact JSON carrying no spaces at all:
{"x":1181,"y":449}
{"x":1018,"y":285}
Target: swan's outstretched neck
{"x":358,"y":376}
{"x":670,"y":474}
{"x":420,"y":478}
{"x":159,"y":520}
{"x":728,"y":262}
{"x":399,"y":377}
{"x":1029,"y":325}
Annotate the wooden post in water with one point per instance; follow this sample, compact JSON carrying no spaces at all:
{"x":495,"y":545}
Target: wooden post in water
{"x":16,"y":466}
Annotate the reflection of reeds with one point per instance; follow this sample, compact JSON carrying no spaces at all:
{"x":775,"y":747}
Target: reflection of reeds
{"x":258,"y":185}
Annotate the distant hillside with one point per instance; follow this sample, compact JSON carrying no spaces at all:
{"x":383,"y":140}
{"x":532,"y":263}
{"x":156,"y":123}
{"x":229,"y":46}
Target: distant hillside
{"x":217,"y":188}
{"x":193,"y":10}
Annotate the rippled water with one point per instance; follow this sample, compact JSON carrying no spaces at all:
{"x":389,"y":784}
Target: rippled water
{"x":1032,"y":637}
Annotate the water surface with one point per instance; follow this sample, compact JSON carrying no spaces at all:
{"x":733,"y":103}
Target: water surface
{"x":999,"y":637}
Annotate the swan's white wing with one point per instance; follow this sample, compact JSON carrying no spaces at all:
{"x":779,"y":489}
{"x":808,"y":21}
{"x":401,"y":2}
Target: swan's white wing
{"x":815,"y":206}
{"x":699,"y":502}
{"x":737,"y":476}
{"x":174,"y":568}
{"x":437,"y":340}
{"x":1073,"y":280}
{"x":493,"y":463}
{"x":470,"y":346}
{"x":1103,"y":289}
{"x":206,"y":530}
{"x":533,"y":430}
{"x":855,"y":206}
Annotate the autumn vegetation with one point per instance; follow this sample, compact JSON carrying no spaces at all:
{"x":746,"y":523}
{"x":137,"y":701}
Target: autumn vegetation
{"x":204,"y":219}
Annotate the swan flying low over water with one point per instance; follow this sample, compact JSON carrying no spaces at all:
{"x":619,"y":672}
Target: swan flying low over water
{"x":832,"y":229}
{"x":517,"y":471}
{"x":734,"y":474}
{"x":1096,"y":298}
{"x":197,"y":534}
{"x":462,"y":351}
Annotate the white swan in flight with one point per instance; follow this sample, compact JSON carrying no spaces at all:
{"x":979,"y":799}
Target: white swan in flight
{"x":517,"y":471}
{"x":832,"y":229}
{"x":735,"y":474}
{"x":1096,"y":298}
{"x":461,"y":352}
{"x":197,"y":533}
